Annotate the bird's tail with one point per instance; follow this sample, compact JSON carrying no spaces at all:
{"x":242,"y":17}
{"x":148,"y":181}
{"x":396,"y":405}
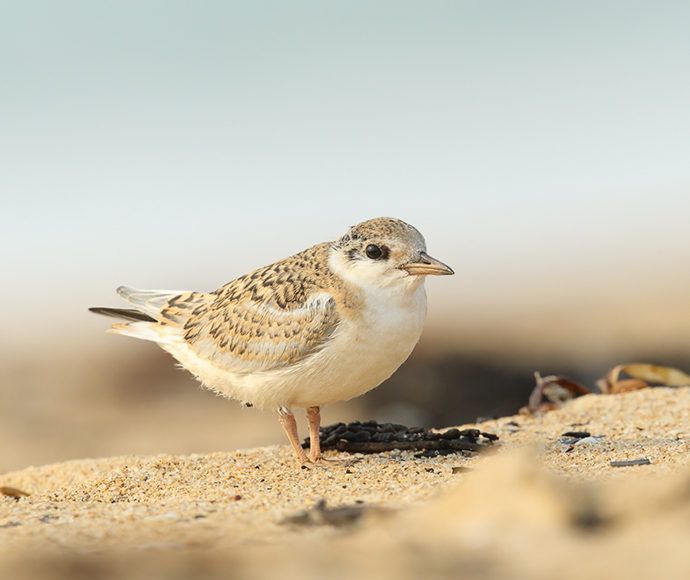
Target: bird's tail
{"x":150,"y":302}
{"x":124,"y":313}
{"x":158,"y":315}
{"x":142,"y":320}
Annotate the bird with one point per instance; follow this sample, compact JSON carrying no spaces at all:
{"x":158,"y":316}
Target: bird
{"x":325,"y":325}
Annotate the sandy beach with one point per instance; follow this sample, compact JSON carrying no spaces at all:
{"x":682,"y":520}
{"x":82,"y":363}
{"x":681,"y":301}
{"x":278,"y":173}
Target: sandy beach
{"x":539,"y":505}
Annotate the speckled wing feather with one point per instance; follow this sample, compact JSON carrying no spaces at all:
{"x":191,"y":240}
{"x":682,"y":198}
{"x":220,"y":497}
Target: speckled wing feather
{"x":271,"y":318}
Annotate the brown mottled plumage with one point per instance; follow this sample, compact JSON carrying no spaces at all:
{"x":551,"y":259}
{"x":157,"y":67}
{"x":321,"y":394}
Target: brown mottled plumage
{"x":268,"y":317}
{"x":324,"y":325}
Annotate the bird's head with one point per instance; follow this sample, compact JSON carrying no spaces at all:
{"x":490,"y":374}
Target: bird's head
{"x":384,"y":252}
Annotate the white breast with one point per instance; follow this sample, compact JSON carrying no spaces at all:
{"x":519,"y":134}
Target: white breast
{"x":364,"y":352}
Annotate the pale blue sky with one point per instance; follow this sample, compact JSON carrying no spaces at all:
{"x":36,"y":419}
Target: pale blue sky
{"x":180,"y":144}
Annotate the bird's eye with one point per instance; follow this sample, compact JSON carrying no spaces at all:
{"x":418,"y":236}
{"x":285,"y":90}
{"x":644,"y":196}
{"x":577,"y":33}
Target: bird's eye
{"x":373,"y":251}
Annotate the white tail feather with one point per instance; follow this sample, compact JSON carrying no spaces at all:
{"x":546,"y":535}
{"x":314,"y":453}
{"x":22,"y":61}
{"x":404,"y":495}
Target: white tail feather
{"x":149,"y":301}
{"x":146,"y":331}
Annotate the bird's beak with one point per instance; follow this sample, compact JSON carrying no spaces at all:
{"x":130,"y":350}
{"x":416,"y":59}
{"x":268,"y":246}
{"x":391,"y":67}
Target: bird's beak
{"x":427,"y":266}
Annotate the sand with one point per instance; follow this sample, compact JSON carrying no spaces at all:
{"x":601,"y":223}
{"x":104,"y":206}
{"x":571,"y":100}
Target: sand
{"x":538,"y":506}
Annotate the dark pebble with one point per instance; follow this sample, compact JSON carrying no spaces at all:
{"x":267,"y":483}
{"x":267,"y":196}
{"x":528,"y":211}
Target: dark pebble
{"x":630,"y":463}
{"x":432,"y":436}
{"x":416,"y":429}
{"x":451,"y":434}
{"x":399,"y":427}
{"x":490,"y":436}
{"x":577,"y":434}
{"x":386,"y":428}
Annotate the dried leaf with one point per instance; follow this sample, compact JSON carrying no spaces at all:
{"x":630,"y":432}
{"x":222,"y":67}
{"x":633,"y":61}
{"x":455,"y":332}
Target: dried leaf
{"x":641,"y":375}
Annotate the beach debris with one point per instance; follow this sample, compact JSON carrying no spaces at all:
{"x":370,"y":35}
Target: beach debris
{"x":374,"y":437}
{"x":577,"y":434}
{"x":13,"y":492}
{"x":640,"y":376}
{"x":552,"y":391}
{"x":320,"y":515}
{"x":583,"y":442}
{"x":574,"y":438}
{"x":630,"y":463}
{"x":556,"y":390}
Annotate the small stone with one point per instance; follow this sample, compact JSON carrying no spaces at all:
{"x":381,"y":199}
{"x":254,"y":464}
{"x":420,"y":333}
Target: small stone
{"x":451,"y":434}
{"x":577,"y":434}
{"x":630,"y":463}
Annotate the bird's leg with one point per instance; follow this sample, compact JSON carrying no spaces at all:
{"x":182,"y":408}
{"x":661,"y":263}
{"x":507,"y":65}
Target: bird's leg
{"x":314,"y":418}
{"x":287,"y":420}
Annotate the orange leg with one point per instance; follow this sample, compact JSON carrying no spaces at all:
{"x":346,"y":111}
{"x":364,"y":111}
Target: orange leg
{"x":315,"y":457}
{"x":287,"y":420}
{"x":314,"y":417}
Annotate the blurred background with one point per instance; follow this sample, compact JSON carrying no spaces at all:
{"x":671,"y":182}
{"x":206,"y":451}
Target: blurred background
{"x":542,"y":148}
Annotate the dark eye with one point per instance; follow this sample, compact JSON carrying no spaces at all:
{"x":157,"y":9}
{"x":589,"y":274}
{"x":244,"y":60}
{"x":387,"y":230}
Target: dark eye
{"x":373,"y":251}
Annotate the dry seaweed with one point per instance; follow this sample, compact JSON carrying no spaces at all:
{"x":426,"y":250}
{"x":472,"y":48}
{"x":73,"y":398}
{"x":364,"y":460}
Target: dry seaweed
{"x":374,"y":437}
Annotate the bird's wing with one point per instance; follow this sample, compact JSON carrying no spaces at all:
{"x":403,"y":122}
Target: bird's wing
{"x":266,"y":320}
